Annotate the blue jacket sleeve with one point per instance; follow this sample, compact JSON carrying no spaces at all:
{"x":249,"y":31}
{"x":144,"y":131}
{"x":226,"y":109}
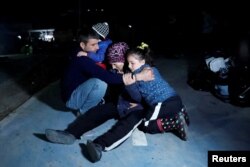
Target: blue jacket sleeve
{"x":100,"y":54}
{"x":134,"y":92}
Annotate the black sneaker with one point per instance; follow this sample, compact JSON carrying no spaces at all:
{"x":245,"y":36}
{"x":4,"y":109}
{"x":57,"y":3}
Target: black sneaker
{"x":94,"y":151}
{"x":59,"y":136}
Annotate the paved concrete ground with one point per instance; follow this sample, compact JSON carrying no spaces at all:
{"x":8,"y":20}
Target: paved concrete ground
{"x":23,"y":75}
{"x":214,"y":126}
{"x":13,"y":67}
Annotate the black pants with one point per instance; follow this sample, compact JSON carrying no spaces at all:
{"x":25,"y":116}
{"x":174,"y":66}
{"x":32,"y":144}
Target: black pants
{"x":124,"y":127}
{"x":96,"y":116}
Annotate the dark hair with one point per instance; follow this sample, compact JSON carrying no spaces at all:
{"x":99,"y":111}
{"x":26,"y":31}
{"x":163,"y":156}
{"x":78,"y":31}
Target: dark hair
{"x":142,"y":53}
{"x":86,"y":34}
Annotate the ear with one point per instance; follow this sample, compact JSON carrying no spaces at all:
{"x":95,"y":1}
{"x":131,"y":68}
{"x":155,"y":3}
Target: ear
{"x":143,"y":61}
{"x":82,"y":45}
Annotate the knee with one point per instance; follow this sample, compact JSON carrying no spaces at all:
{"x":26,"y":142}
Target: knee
{"x":99,"y":84}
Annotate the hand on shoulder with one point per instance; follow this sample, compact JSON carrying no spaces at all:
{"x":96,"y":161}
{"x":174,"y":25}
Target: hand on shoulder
{"x":81,"y":53}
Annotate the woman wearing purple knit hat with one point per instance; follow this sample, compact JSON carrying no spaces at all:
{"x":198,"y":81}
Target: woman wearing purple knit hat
{"x":116,"y":56}
{"x":116,"y":59}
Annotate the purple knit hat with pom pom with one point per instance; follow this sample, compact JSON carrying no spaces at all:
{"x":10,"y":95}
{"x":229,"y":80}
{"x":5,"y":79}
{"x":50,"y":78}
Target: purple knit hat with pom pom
{"x":116,"y":53}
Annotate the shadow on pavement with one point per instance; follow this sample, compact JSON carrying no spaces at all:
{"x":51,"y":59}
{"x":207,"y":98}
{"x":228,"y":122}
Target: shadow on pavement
{"x":41,"y":136}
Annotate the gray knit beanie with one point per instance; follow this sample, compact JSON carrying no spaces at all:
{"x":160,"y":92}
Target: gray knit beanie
{"x":102,"y":29}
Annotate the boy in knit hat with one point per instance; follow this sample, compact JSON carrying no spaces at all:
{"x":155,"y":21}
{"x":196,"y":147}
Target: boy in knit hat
{"x":103,"y":30}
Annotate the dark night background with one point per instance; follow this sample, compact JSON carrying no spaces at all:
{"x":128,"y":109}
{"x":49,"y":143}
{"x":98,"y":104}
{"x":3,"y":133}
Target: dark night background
{"x":66,"y":13}
{"x":152,"y":16}
{"x":150,"y":20}
{"x":167,"y":26}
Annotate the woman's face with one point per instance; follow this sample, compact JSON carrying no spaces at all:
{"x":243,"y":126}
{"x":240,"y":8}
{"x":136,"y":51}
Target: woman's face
{"x":118,"y":66}
{"x":134,"y":63}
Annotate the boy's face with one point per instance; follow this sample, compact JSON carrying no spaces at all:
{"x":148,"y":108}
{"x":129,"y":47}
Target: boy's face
{"x":90,"y":46}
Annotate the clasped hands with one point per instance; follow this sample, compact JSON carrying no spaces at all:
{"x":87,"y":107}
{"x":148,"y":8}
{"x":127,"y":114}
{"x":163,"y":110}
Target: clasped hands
{"x":145,"y":75}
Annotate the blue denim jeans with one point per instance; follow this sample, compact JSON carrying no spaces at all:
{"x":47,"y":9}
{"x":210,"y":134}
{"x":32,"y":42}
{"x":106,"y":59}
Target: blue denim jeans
{"x":87,"y":95}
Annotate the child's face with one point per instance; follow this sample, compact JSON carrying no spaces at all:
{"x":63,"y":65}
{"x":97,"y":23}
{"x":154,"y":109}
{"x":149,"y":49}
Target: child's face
{"x":118,"y":66}
{"x":134,"y":63}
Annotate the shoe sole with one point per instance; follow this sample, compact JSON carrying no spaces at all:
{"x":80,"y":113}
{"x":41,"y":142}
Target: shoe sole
{"x":56,"y":137}
{"x":185,"y":126}
{"x":185,"y":115}
{"x":187,"y":120}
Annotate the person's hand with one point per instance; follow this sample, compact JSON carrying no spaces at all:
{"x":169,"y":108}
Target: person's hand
{"x":127,"y":79}
{"x":120,"y":72}
{"x":146,"y":74}
{"x":81,"y":53}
